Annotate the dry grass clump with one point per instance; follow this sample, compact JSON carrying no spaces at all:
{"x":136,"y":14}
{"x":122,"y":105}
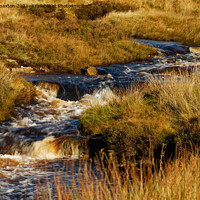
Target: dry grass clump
{"x":165,"y":112}
{"x":178,"y":95}
{"x":13,"y":92}
{"x":179,"y":179}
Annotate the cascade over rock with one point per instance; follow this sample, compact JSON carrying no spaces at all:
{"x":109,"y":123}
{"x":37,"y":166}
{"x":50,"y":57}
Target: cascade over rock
{"x":195,"y":50}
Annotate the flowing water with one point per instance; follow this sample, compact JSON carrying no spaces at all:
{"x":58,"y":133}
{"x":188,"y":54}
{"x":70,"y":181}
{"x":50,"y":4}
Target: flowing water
{"x":44,"y":138}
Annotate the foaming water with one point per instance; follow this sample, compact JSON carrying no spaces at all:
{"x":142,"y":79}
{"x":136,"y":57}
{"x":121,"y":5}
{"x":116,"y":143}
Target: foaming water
{"x":47,"y":91}
{"x":41,"y":137}
{"x":100,"y":97}
{"x":46,"y":149}
{"x":36,"y":129}
{"x":48,"y":110}
{"x":43,"y":134}
{"x":64,"y":146}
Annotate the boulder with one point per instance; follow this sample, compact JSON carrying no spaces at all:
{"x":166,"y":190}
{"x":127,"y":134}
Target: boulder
{"x":23,"y":70}
{"x":95,"y":144}
{"x":195,"y":50}
{"x":12,"y":62}
{"x":44,"y":69}
{"x":90,"y":71}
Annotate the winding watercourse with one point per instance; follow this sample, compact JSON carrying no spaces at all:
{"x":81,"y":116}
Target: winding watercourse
{"x":47,"y":133}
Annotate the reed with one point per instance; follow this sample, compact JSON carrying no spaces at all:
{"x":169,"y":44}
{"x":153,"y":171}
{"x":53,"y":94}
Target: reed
{"x":179,"y":179}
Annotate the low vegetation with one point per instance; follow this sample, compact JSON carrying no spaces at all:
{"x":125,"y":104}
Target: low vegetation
{"x":162,"y":116}
{"x":147,"y":125}
{"x":13,"y":92}
{"x":55,"y":39}
{"x":177,"y":180}
{"x":92,"y":33}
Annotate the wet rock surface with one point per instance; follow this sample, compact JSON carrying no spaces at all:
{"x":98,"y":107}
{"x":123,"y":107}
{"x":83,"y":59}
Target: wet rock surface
{"x":90,"y":71}
{"x":24,"y":70}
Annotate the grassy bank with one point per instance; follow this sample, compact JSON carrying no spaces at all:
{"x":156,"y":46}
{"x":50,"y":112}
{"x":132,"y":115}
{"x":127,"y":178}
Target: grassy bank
{"x":178,"y":180}
{"x":60,"y":40}
{"x":92,"y":33}
{"x":164,"y":115}
{"x":13,"y":92}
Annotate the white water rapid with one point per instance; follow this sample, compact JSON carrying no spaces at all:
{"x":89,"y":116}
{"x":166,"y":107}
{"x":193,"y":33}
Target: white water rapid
{"x":43,"y":140}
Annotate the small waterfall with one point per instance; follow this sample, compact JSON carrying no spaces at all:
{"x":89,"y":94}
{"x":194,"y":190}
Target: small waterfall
{"x":45,"y":149}
{"x":47,"y":91}
{"x":100,"y":97}
{"x":37,"y":130}
{"x":49,"y":128}
{"x":64,"y":146}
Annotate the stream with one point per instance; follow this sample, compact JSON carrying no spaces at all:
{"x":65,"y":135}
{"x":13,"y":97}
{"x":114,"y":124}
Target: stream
{"x":44,"y":138}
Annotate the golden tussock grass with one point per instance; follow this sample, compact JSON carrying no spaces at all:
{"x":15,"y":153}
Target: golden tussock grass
{"x":96,"y":34}
{"x":179,"y":179}
{"x":164,"y":112}
{"x":178,"y":94}
{"x":63,"y":45}
{"x":13,"y":92}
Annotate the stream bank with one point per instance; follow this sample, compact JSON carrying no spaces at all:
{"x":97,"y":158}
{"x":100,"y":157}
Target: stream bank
{"x":38,"y":131}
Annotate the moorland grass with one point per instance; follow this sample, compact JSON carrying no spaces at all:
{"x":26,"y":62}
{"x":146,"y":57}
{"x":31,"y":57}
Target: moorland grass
{"x":159,"y":119}
{"x":178,"y":179}
{"x":14,"y":91}
{"x":95,"y":33}
{"x":164,"y":114}
{"x":56,"y":39}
